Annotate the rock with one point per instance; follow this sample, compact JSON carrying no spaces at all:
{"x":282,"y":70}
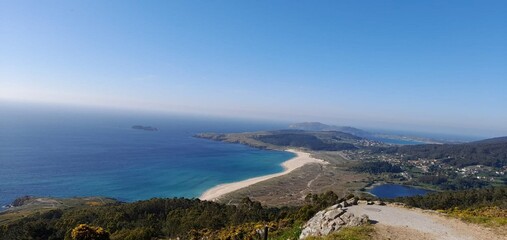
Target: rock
{"x":340,"y":221}
{"x":347,"y":216}
{"x":326,"y":229}
{"x":379,"y":202}
{"x":369,"y":203}
{"x":320,"y":214}
{"x":343,"y":204}
{"x":330,"y":220}
{"x":333,"y":214}
{"x":358,"y":221}
{"x":352,"y":201}
{"x":334,"y":207}
{"x":21,"y":201}
{"x":362,"y":202}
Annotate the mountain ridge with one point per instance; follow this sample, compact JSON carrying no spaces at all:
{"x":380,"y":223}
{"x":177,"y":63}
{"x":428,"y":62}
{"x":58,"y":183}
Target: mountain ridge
{"x":318,"y":126}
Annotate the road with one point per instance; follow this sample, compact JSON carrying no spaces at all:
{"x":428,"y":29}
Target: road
{"x":395,"y":222}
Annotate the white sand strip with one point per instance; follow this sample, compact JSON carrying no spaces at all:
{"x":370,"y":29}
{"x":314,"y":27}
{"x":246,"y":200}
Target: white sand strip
{"x":301,"y":159}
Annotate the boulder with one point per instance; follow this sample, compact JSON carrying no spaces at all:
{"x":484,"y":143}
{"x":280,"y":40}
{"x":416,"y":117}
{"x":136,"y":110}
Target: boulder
{"x":330,"y":220}
{"x":358,"y":221}
{"x":334,"y":213}
{"x":351,"y":201}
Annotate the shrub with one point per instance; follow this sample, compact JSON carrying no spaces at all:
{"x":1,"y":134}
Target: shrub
{"x":85,"y":232}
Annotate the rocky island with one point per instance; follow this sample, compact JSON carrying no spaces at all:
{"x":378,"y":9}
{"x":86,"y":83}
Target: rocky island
{"x":145,"y":128}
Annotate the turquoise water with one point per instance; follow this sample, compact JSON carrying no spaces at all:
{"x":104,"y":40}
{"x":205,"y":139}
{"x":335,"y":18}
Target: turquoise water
{"x":47,"y":151}
{"x":396,"y":190}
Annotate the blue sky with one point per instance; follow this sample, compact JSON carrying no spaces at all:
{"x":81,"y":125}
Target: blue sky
{"x":413,"y":65}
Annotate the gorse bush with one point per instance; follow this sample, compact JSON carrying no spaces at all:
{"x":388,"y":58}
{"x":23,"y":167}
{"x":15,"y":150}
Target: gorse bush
{"x":490,"y":216}
{"x":85,"y":232}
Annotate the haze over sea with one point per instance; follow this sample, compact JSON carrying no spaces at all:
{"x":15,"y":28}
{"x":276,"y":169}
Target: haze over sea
{"x":63,"y":152}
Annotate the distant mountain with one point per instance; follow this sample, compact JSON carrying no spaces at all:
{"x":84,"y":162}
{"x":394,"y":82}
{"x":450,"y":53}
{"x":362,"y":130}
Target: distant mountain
{"x":311,"y":126}
{"x":375,"y":136}
{"x":489,"y":152}
{"x":317,"y":126}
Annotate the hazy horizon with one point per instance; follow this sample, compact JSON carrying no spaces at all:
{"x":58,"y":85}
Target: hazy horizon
{"x":427,"y":66}
{"x":64,"y":110}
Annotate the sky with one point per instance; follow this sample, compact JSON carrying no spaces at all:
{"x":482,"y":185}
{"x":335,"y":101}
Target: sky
{"x":436,"y":66}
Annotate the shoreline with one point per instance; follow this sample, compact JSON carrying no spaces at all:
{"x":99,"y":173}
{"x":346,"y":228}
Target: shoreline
{"x":301,"y":159}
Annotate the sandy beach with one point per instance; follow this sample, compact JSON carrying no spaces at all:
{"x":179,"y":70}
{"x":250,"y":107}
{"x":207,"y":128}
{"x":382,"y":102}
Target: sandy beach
{"x":298,"y":161}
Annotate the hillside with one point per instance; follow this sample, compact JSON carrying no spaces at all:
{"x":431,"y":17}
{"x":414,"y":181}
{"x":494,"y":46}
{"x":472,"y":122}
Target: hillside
{"x":326,"y":141}
{"x":497,"y":140}
{"x":195,"y":219}
{"x":317,"y":126}
{"x":26,"y":205}
{"x":311,"y":140}
{"x":489,"y":152}
{"x":165,"y":218}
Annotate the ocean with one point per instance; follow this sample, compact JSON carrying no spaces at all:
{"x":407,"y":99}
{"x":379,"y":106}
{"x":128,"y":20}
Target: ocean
{"x":65,"y":152}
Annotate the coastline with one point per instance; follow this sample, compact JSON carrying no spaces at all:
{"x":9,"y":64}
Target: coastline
{"x":301,"y":159}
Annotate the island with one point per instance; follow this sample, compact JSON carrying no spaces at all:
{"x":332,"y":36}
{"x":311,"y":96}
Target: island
{"x":145,"y":128}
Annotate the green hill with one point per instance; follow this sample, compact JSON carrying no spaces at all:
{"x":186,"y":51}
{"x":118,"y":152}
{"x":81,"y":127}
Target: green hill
{"x":489,"y":152}
{"x":318,"y":140}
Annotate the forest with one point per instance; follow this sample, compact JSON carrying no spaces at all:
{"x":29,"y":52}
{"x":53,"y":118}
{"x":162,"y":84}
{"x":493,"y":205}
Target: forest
{"x":471,"y":198}
{"x":377,"y":167}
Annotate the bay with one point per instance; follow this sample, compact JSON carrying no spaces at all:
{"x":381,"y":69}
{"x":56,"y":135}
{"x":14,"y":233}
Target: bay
{"x":65,"y":152}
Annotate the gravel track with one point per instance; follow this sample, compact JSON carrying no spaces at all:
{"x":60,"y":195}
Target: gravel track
{"x":403,"y":223}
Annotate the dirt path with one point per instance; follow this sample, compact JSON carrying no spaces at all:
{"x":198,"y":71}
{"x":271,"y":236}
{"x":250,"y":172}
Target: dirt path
{"x":393,"y":222}
{"x":309,"y":184}
{"x":343,"y":155}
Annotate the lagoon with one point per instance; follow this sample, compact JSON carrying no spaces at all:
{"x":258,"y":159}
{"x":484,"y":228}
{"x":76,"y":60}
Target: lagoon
{"x":396,"y":190}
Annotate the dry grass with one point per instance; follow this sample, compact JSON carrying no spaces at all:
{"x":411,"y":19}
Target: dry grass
{"x":349,"y":233}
